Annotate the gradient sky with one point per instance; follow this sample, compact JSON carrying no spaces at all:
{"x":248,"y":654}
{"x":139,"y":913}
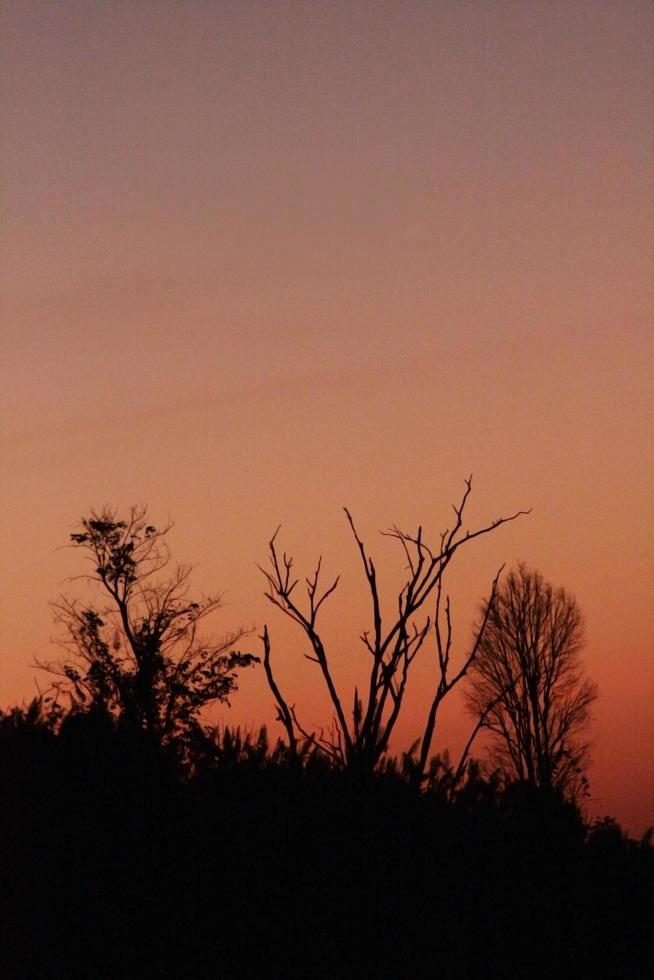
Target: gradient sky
{"x":262,"y":260}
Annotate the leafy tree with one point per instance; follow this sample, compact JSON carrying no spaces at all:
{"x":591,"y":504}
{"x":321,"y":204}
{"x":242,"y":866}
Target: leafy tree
{"x":527,"y":686}
{"x":359,"y":741}
{"x":140,"y":656}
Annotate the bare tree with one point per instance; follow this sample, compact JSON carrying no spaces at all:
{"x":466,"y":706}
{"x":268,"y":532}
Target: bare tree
{"x":527,"y":686}
{"x":141,"y":656}
{"x":359,"y":737}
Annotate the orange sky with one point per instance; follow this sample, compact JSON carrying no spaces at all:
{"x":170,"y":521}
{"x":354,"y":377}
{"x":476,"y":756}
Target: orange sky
{"x":265,"y":259}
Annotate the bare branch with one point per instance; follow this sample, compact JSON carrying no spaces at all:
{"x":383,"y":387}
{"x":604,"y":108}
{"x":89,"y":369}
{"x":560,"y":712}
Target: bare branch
{"x":284,"y":713}
{"x":392,"y":648}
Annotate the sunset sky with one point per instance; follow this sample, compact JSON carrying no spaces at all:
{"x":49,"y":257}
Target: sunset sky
{"x":263,"y":260}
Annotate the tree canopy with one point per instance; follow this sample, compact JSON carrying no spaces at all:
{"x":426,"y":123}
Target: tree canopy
{"x":141,"y":655}
{"x":527,"y":685}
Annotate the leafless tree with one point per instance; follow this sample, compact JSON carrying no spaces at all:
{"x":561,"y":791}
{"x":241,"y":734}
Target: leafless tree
{"x":359,"y":736}
{"x":527,"y":686}
{"x":140,"y":656}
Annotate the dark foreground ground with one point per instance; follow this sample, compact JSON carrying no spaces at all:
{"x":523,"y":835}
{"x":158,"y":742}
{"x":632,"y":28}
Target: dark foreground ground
{"x":114,"y":866}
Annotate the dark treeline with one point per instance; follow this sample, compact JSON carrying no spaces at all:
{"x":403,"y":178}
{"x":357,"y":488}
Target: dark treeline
{"x":118,"y":861}
{"x":136,"y":841}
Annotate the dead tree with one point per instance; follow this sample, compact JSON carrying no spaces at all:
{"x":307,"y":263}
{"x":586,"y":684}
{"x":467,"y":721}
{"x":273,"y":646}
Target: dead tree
{"x":360,"y":735}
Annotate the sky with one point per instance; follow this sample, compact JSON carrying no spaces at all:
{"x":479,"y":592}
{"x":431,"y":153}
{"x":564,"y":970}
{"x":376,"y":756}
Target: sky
{"x":264,"y":260}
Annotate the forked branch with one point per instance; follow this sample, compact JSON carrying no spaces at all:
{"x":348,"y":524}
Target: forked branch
{"x":392,"y":648}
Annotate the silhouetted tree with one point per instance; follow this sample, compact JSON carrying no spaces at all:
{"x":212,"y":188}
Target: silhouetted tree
{"x":527,"y":686}
{"x":140,"y":657}
{"x":360,"y":743}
